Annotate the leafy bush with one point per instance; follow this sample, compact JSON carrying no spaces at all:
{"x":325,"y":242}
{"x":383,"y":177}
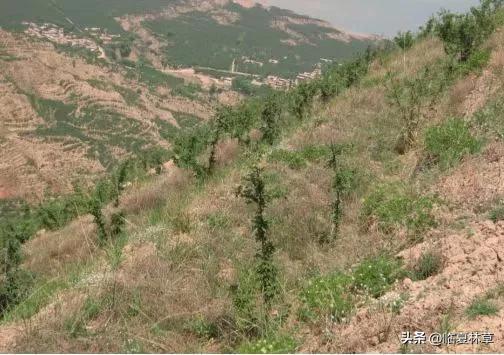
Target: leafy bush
{"x":293,"y":159}
{"x":478,"y":60}
{"x":277,"y":344}
{"x":429,"y":264}
{"x":302,"y":99}
{"x":375,"y":276}
{"x":412,"y":96}
{"x":449,"y":142}
{"x":392,"y":208}
{"x":327,"y":296}
{"x":203,"y":328}
{"x":270,"y":119}
{"x":188,"y":146}
{"x":315,"y":153}
{"x":404,"y":40}
{"x":482,"y":307}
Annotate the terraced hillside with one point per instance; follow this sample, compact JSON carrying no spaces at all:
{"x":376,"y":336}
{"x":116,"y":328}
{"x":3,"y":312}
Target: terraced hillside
{"x":64,"y":119}
{"x":335,"y":217}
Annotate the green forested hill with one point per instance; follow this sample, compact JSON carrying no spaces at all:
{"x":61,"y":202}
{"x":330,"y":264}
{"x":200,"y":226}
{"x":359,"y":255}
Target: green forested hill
{"x":199,"y":37}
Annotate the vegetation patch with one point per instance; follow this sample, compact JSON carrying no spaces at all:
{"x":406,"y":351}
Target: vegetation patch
{"x":327,"y":296}
{"x":430,"y":263}
{"x":482,"y":307}
{"x":276,"y":344}
{"x":392,"y":207}
{"x":497,"y":213}
{"x":489,"y":119}
{"x":375,"y":276}
{"x":449,"y":142}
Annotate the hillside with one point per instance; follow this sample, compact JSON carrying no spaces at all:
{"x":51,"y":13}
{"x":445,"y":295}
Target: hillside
{"x":64,"y":119}
{"x":331,"y":217}
{"x":86,"y":87}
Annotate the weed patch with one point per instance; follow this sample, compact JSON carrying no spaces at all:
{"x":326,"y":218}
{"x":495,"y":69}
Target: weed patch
{"x":375,"y":276}
{"x":449,"y":142}
{"x":482,"y":307}
{"x":327,"y":296}
{"x":393,"y":208}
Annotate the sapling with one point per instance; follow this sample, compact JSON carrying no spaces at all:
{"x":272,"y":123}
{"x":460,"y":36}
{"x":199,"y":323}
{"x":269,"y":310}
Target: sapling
{"x":254,"y":192}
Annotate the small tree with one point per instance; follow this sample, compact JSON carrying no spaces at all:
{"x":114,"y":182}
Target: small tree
{"x":99,"y":220}
{"x":270,"y":118}
{"x":253,"y":191}
{"x":188,"y":146}
{"x":462,"y":34}
{"x":120,"y":179}
{"x":302,"y":99}
{"x":411,"y":96}
{"x":336,"y":206}
{"x":404,"y":40}
{"x":330,"y":83}
{"x":117,"y":222}
{"x":11,"y":275}
{"x":219,"y":125}
{"x":344,"y":181}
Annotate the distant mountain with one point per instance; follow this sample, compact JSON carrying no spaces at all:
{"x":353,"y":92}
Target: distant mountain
{"x":213,"y":34}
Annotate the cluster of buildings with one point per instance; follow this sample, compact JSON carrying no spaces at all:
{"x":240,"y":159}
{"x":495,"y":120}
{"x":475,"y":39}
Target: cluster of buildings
{"x":57,"y":34}
{"x":309,"y":75}
{"x":278,"y":83}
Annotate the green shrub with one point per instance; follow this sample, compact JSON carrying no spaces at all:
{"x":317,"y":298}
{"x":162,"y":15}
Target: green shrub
{"x":497,"y":213}
{"x":449,"y":142}
{"x":292,"y":159}
{"x":392,"y":207}
{"x":375,"y":276}
{"x":203,"y":328}
{"x":315,"y":153}
{"x":411,"y":96}
{"x":429,"y":264}
{"x":404,"y":40}
{"x":482,"y":307}
{"x":327,"y":296}
{"x":277,"y":344}
{"x":270,"y":119}
{"x":478,"y":60}
{"x":188,"y":146}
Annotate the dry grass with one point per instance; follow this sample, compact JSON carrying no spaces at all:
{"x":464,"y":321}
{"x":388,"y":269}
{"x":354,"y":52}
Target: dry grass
{"x":425,"y":53}
{"x":459,"y":93}
{"x":143,"y":197}
{"x":51,"y":252}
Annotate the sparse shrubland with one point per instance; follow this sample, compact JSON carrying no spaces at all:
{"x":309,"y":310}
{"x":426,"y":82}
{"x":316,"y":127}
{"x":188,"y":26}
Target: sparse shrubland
{"x":325,"y":238}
